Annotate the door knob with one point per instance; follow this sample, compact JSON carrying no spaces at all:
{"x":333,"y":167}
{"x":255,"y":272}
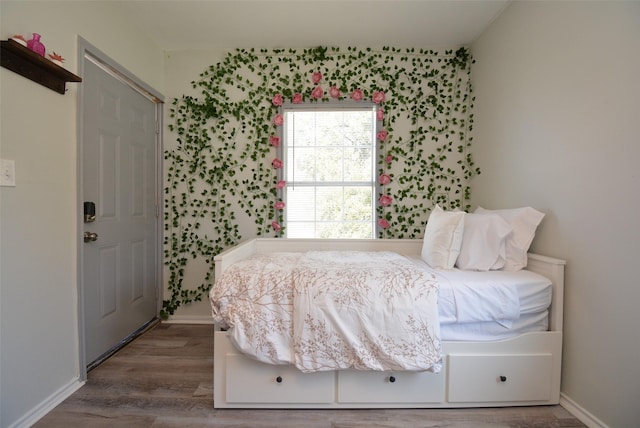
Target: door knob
{"x":90,"y":237}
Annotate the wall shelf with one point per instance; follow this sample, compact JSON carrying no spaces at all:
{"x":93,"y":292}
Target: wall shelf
{"x":29,"y":64}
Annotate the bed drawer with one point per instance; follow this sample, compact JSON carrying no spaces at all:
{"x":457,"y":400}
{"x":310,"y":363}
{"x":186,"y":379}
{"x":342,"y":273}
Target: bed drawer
{"x":386,"y":387}
{"x":250,"y":381}
{"x":494,"y":378}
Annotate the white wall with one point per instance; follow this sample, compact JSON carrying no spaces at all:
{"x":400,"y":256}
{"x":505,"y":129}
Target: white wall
{"x":557,"y":128}
{"x":38,"y":217}
{"x":182,"y":68}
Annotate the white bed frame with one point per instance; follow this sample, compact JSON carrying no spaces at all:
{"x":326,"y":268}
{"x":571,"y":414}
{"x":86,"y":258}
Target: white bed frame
{"x":522,"y":371}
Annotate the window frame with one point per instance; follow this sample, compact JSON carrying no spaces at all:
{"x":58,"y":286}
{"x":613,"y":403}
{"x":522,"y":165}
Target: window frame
{"x":341,"y":106}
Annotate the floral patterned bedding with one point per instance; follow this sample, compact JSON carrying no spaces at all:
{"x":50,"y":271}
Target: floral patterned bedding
{"x":331,"y":310}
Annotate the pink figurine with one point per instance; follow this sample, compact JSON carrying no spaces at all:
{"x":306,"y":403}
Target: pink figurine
{"x":35,"y":45}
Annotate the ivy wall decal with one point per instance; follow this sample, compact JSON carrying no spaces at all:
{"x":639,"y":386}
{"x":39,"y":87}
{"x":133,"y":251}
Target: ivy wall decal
{"x":221,"y":185}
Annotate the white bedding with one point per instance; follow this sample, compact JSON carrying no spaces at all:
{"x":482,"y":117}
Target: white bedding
{"x":490,"y":331}
{"x":329,"y":310}
{"x":517,"y":301}
{"x":492,"y":296}
{"x":471,"y":306}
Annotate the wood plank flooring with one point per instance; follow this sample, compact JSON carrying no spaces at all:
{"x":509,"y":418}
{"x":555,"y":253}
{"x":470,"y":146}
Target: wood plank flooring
{"x":164,"y":378}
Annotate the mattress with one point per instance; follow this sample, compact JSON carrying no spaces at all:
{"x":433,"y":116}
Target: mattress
{"x":487,"y":331}
{"x":523,"y":297}
{"x":486,"y":306}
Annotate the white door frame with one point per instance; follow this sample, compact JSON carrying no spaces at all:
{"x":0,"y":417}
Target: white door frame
{"x":86,"y":49}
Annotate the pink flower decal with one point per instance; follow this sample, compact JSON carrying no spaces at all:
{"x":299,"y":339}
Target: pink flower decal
{"x":334,"y":92}
{"x":278,"y":119}
{"x":276,"y":163}
{"x":388,"y":159}
{"x":378,"y":97}
{"x":386,"y":200}
{"x":281,"y":184}
{"x":279,"y":205}
{"x":297,"y":98}
{"x":357,"y":95}
{"x":382,"y":135}
{"x":274,"y":141}
{"x":384,"y":179}
{"x":276,"y":226}
{"x":383,"y":223}
{"x":277,"y":100}
{"x":380,"y":114}
{"x":316,"y":77}
{"x":317,"y":92}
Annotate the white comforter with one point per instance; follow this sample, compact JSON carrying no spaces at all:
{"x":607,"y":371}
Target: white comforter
{"x":331,"y":310}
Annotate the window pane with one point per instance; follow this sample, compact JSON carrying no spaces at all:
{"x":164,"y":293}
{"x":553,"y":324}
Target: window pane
{"x":301,"y":202}
{"x":358,"y":163}
{"x":338,"y":211}
{"x":330,"y":173}
{"x":329,"y":204}
{"x":301,"y":229}
{"x":323,"y":163}
{"x":351,"y":230}
{"x":329,"y":164}
{"x":301,"y":164}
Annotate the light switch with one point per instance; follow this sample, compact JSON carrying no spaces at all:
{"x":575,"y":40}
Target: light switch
{"x":7,"y":172}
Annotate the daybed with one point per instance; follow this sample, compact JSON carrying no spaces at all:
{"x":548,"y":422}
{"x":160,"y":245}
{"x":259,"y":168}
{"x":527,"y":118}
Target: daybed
{"x":518,"y":370}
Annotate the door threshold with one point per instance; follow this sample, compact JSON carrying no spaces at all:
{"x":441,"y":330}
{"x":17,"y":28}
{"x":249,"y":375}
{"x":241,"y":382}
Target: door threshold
{"x":124,"y":342}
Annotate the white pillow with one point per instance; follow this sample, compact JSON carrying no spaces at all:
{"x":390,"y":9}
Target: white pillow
{"x":443,"y":238}
{"x":483,"y":242}
{"x":524,"y":222}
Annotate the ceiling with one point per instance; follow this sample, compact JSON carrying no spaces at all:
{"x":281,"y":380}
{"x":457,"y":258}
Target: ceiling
{"x":228,"y":24}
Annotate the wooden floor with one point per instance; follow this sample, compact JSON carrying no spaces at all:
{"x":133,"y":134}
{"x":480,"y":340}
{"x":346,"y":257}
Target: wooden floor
{"x":164,"y":378}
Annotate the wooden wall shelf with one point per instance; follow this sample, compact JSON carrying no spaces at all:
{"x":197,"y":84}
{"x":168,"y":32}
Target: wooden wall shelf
{"x":29,"y":64}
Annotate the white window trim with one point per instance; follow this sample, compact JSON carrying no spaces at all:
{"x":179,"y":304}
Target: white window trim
{"x":320,"y":106}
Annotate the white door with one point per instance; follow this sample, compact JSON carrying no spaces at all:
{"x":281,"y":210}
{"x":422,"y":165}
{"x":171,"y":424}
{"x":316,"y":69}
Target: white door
{"x":119,"y":172}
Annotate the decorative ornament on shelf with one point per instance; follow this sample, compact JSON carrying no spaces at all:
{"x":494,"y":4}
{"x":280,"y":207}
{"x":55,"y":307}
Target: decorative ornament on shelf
{"x":20,"y":39}
{"x":56,"y":59}
{"x":35,"y":45}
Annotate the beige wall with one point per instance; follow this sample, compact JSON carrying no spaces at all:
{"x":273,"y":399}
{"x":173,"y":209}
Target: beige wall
{"x":557,"y":128}
{"x":38,"y":218}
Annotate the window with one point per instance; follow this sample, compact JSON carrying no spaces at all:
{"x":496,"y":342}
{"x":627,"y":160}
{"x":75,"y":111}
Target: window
{"x":329,"y":165}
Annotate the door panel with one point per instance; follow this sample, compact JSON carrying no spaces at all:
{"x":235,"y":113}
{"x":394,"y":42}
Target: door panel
{"x":119,"y":278}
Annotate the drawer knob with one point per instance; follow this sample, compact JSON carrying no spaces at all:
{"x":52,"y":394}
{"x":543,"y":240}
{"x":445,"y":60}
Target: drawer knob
{"x":503,"y":379}
{"x":392,"y":379}
{"x":279,"y":379}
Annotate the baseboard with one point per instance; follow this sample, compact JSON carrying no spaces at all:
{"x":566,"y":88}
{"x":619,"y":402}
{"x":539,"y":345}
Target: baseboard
{"x":48,"y":404}
{"x":189,"y":319}
{"x":581,"y":413}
